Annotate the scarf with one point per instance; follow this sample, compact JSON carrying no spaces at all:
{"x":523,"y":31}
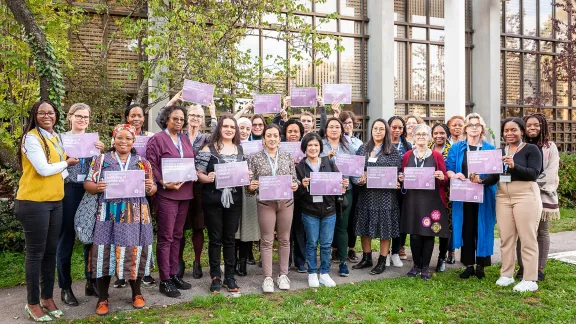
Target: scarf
{"x":548,"y":183}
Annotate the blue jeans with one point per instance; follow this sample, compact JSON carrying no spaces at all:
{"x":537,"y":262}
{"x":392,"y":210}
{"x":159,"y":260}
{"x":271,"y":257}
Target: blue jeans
{"x":319,"y":229}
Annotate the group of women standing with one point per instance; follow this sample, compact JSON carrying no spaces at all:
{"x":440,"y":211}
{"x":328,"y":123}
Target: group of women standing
{"x":53,"y":184}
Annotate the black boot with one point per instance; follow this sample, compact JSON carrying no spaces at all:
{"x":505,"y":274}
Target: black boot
{"x":480,"y":274}
{"x":366,"y":261}
{"x":91,"y":288}
{"x":241,"y":267}
{"x":197,"y":270}
{"x":251,"y":260}
{"x":440,"y":266}
{"x":468,"y":272}
{"x":181,"y":268}
{"x":380,"y":267}
{"x":68,"y":297}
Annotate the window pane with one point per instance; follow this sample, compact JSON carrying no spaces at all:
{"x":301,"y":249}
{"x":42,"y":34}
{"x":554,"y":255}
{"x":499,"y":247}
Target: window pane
{"x":326,"y":71}
{"x":561,"y":93}
{"x":529,"y":21}
{"x":306,"y":4}
{"x":530,"y":76}
{"x":400,"y":70}
{"x":350,"y":65}
{"x":545,"y":18}
{"x":399,"y":31}
{"x":301,"y":64}
{"x":436,"y":73}
{"x":436,"y":35}
{"x":418,"y":72}
{"x":418,"y":110}
{"x":351,"y":27}
{"x":351,"y":7}
{"x":400,"y":110}
{"x":274,"y":56}
{"x":512,"y":18}
{"x":437,"y":112}
{"x":546,"y":46}
{"x":327,"y":6}
{"x":418,"y":33}
{"x":437,"y":12}
{"x":563,"y":17}
{"x":502,"y":78}
{"x":417,"y":11}
{"x":399,"y":10}
{"x":325,"y":24}
{"x":529,"y":44}
{"x":545,"y":85}
{"x":512,"y":77}
{"x":512,"y":43}
{"x":250,"y":46}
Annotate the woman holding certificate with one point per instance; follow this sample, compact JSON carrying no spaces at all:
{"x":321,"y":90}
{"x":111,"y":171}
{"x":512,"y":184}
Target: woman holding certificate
{"x":38,"y":206}
{"x":170,"y":147}
{"x":519,"y":205}
{"x":377,"y":211}
{"x":335,"y":143}
{"x":424,"y":214}
{"x":274,"y":214}
{"x":79,"y":119}
{"x":123,"y":235}
{"x":473,"y":223}
{"x":222,"y":204}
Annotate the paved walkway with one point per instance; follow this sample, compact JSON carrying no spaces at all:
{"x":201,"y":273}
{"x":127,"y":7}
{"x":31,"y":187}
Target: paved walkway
{"x":13,"y":299}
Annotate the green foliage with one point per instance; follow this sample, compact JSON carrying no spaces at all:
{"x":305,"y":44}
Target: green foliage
{"x":567,"y":186}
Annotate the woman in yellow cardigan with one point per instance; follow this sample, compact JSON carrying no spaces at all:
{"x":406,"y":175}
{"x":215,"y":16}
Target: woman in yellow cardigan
{"x":38,"y":206}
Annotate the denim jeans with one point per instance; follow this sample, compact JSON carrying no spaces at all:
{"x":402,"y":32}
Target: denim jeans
{"x":319,"y":229}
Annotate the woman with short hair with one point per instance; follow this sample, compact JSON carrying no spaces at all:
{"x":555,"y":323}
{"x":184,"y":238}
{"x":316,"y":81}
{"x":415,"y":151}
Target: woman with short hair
{"x":456,"y":127}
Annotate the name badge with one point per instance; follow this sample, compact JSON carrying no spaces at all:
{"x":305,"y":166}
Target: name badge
{"x":505,"y":178}
{"x":81,"y":177}
{"x":65,"y":174}
{"x":373,"y":159}
{"x":317,"y":199}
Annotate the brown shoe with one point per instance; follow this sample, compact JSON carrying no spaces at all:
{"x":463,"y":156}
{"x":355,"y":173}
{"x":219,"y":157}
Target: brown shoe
{"x":138,"y":302}
{"x":402,"y":253}
{"x":102,"y":308}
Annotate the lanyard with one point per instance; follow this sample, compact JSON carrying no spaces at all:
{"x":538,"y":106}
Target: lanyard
{"x":125,"y":168}
{"x":332,"y":149}
{"x":512,"y":156}
{"x":179,"y":146}
{"x":317,"y":169}
{"x":400,"y":146}
{"x":58,"y":146}
{"x":273,"y":166}
{"x":377,"y":149}
{"x":479,"y":146}
{"x":416,"y":159}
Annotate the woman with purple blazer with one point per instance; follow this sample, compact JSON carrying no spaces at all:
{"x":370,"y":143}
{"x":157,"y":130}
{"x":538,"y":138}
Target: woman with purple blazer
{"x":172,"y":199}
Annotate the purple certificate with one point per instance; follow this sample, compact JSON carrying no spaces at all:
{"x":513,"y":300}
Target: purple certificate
{"x":485,"y":162}
{"x":275,"y":188}
{"x":124,"y":184}
{"x":140,"y":145}
{"x":303,"y":97}
{"x":197,"y":92}
{"x":233,"y":174}
{"x":466,"y":190}
{"x":268,"y":103}
{"x":382,"y":178}
{"x":325,"y":183}
{"x":251,"y":147}
{"x":350,"y":165}
{"x":80,"y":145}
{"x":294,"y":149}
{"x":337,"y":92}
{"x":419,"y":178}
{"x":178,"y":170}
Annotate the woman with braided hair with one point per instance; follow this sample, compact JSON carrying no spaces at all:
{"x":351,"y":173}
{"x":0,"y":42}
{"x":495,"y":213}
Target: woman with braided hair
{"x":38,"y":205}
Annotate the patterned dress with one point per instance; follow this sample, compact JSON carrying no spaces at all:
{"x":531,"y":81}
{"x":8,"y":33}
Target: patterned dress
{"x":377,"y":210}
{"x":448,"y":204}
{"x":123,"y":235}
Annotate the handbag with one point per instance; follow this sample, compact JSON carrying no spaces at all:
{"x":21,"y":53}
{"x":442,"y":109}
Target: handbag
{"x":85,"y":217}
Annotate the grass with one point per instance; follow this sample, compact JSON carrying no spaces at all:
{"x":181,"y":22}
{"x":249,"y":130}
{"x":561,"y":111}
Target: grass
{"x":445,"y":298}
{"x":12,"y":264}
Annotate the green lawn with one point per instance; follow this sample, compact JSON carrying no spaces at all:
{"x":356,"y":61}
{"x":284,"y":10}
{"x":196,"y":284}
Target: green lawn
{"x":445,"y":298}
{"x":12,"y":264}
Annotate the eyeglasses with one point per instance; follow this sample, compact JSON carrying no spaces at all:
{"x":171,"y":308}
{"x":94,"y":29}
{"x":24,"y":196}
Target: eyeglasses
{"x":397,"y":127}
{"x":421,"y":135}
{"x":176,"y":119}
{"x":124,"y":139}
{"x":191,"y":116}
{"x":44,"y":114}
{"x":80,"y":117}
{"x":474,"y":126}
{"x":349,"y":123}
{"x":257,"y":125}
{"x":381,"y":129}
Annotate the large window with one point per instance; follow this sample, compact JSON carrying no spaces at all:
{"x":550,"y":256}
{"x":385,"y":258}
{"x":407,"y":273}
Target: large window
{"x":527,"y":41}
{"x":348,"y":66}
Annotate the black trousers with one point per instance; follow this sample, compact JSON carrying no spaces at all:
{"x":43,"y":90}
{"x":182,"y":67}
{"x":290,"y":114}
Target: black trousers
{"x":73,"y":193}
{"x":222,"y":224}
{"x":41,"y":222}
{"x":470,"y":237}
{"x":422,"y":248}
{"x":297,"y":238}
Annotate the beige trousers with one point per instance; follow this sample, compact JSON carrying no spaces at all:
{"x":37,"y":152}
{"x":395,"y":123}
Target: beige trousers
{"x":518,"y":210}
{"x":275,"y":215}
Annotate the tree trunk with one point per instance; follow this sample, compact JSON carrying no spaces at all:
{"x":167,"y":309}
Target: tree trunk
{"x":24,"y":17}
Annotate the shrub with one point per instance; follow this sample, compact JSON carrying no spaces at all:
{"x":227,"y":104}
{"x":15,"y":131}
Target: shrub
{"x":567,"y":186}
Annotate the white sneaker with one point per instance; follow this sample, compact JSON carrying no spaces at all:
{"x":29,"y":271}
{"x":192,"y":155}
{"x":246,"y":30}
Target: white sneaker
{"x":388,"y":260}
{"x":505,"y":281}
{"x":325,"y":280}
{"x":526,"y":285}
{"x":313,"y":280}
{"x":396,"y":261}
{"x":268,"y":285}
{"x":283,"y":282}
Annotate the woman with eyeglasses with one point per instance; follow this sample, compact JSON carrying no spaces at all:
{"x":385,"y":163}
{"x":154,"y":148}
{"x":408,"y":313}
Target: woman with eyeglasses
{"x":377,"y":209}
{"x":172,"y":199}
{"x":258,"y":125}
{"x":38,"y":206}
{"x":538,"y":133}
{"x":424,"y":214}
{"x":398,"y":136}
{"x":411,"y":122}
{"x":456,"y":126}
{"x":78,"y":119}
{"x":335,"y":143}
{"x":473,"y":223}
